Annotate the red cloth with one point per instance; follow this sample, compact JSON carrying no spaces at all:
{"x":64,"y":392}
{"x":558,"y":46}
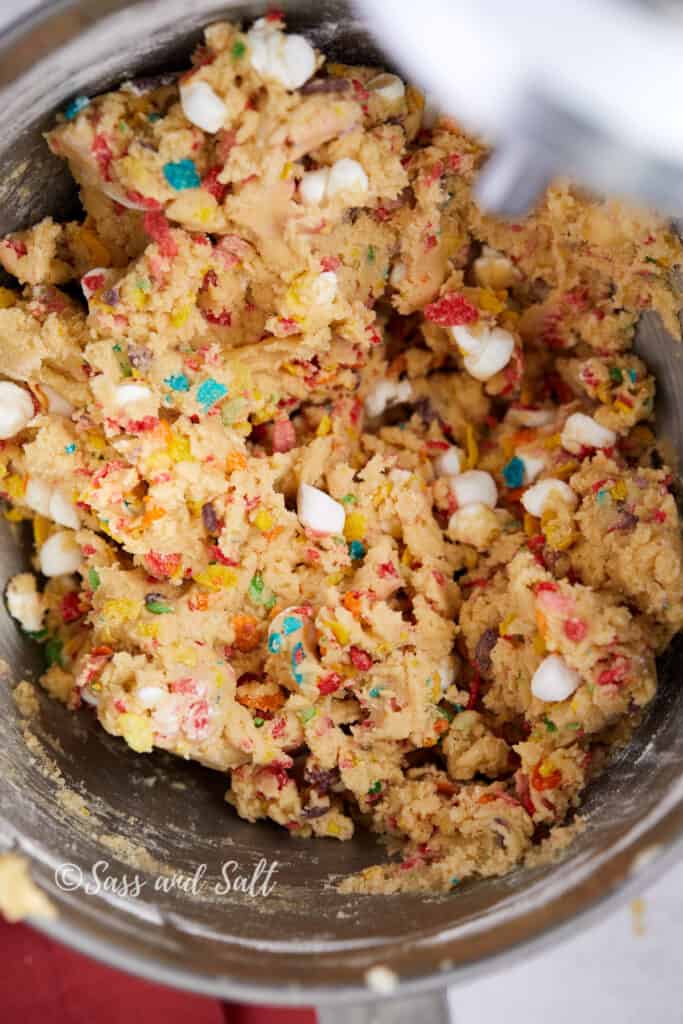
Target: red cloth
{"x":42,"y":982}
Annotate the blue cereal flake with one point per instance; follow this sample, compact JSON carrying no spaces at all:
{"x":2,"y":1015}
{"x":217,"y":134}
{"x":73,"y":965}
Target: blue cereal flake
{"x":603,"y":497}
{"x":182,"y":174}
{"x":298,"y":655}
{"x":513,"y":473}
{"x":70,"y":448}
{"x":633,"y":376}
{"x":178,"y":382}
{"x":291,"y":624}
{"x":74,"y":107}
{"x":210,"y":392}
{"x":375,"y":691}
{"x":356,"y":549}
{"x":275,"y":643}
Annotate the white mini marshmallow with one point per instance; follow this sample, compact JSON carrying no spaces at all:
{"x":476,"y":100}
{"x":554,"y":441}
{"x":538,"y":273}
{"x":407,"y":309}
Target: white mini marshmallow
{"x":536,"y":499}
{"x":318,"y":511}
{"x":449,"y":463}
{"x":493,"y":356}
{"x":60,"y":554}
{"x":467,"y":341}
{"x":387,"y":393}
{"x":389,"y":87}
{"x":554,"y":680}
{"x":325,"y":287}
{"x":494,"y":270}
{"x":289,"y":59}
{"x":16,"y":409}
{"x":475,"y":524}
{"x":202,"y":106}
{"x":347,"y":175}
{"x":120,"y":197}
{"x":581,"y":431}
{"x":25,"y":603}
{"x":533,"y":466}
{"x":56,"y":403}
{"x":150,"y":696}
{"x":473,"y":488}
{"x":131,"y":392}
{"x":89,"y":697}
{"x":63,"y":510}
{"x":530,"y":417}
{"x":313,"y":186}
{"x":37,"y":496}
{"x":398,"y":272}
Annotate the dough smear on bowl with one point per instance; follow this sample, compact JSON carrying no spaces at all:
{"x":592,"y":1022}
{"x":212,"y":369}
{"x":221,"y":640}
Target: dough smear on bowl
{"x":337,"y":485}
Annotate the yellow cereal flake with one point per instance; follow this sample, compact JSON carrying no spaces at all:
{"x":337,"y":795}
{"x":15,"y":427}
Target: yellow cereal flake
{"x":15,"y":486}
{"x":179,"y":316}
{"x":546,"y":768}
{"x":41,"y":530}
{"x":137,"y":731}
{"x":95,"y":442}
{"x":120,"y":610}
{"x":178,"y":448}
{"x":355,"y":526}
{"x":340,"y":632}
{"x":263,"y":520}
{"x":324,"y":427}
{"x":217,"y":577}
{"x":148,"y":629}
{"x":619,"y":491}
{"x":554,"y":441}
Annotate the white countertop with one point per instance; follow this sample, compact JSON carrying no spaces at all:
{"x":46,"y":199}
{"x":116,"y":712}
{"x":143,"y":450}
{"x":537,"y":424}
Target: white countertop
{"x":610,"y":974}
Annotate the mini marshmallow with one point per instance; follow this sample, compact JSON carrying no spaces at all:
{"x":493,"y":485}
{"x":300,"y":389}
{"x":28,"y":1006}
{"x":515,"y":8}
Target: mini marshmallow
{"x":533,"y":466}
{"x":325,"y":287}
{"x":129,"y":393}
{"x":289,"y":59}
{"x":493,"y":356}
{"x":554,"y":680}
{"x":387,"y":393}
{"x":536,"y":499}
{"x":389,"y":87}
{"x":56,"y":403}
{"x":37,"y":496}
{"x":89,"y":697}
{"x":16,"y":409}
{"x":474,"y":487}
{"x":347,"y":175}
{"x":119,"y":196}
{"x":581,"y":431}
{"x":475,"y":524}
{"x":494,"y":270}
{"x":60,"y":555}
{"x":149,"y":696}
{"x":319,"y":512}
{"x":313,"y":186}
{"x":62,"y":510}
{"x":202,"y":106}
{"x":467,"y":340}
{"x":449,"y":463}
{"x":398,"y":272}
{"x":530,"y":417}
{"x":25,"y":603}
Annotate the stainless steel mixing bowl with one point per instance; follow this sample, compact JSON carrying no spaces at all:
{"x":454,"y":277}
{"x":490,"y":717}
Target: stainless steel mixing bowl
{"x":305,"y":943}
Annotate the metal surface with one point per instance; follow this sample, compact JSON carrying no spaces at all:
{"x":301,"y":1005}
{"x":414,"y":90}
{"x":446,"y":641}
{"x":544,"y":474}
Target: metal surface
{"x":148,"y":814}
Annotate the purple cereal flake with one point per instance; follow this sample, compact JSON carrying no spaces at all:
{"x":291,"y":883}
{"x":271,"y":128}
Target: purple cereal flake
{"x":111,"y":297}
{"x":314,"y":812}
{"x":482,"y":654}
{"x":140,"y":357}
{"x":321,"y":779}
{"x":325,"y":85}
{"x":148,"y":83}
{"x":209,"y":518}
{"x":626,"y":520}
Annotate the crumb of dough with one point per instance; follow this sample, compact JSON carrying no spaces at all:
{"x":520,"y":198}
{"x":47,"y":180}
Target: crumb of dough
{"x":339,"y":486}
{"x":20,"y":897}
{"x":26,"y":699}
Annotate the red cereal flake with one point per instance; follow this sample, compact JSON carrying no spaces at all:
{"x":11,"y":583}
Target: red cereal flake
{"x":103,"y":155}
{"x":158,"y":229}
{"x":146,"y":201}
{"x":431,"y":242}
{"x":542,"y":782}
{"x":329,"y":683}
{"x":160,"y":566}
{"x":576,"y":630}
{"x":615,"y":675}
{"x":284,"y":436}
{"x":453,"y":161}
{"x":70,"y":607}
{"x":278,"y":729}
{"x":185,"y":685}
{"x":434,"y":172}
{"x":222,"y":319}
{"x":659,"y":516}
{"x":330,"y":262}
{"x":275,"y":14}
{"x":212,"y":185}
{"x":475,"y":687}
{"x":218,"y":556}
{"x":386,"y":570}
{"x":360,"y":659}
{"x":451,"y":310}
{"x":287,"y":325}
{"x":17,"y":246}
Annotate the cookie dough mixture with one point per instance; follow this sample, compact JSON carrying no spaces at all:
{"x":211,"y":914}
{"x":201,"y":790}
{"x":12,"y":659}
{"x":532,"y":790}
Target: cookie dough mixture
{"x":337,"y":485}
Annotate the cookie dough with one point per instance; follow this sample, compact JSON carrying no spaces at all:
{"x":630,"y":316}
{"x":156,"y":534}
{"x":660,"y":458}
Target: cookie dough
{"x":337,"y":485}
